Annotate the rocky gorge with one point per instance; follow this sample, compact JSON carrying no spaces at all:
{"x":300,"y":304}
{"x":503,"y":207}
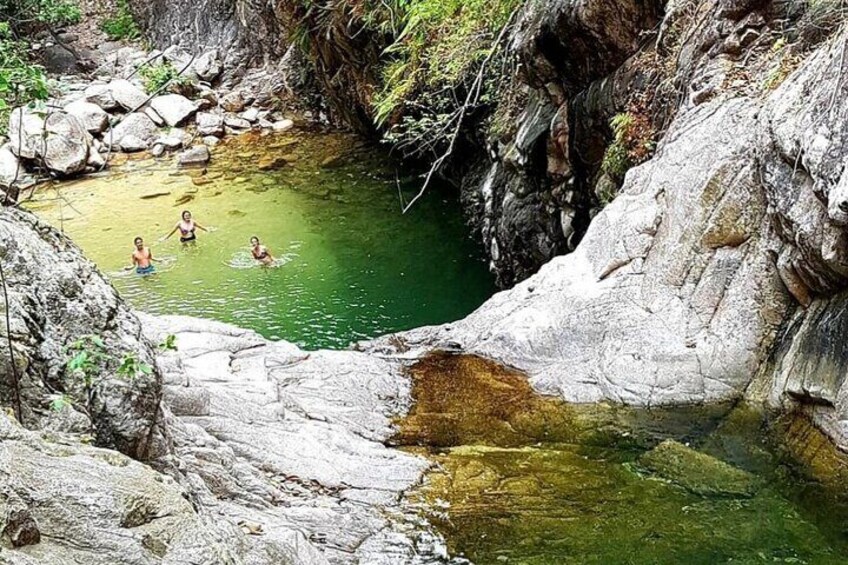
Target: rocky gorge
{"x":715,"y":273}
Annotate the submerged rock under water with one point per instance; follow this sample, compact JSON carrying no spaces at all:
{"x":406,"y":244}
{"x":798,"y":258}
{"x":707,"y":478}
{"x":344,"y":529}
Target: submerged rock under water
{"x":521,"y":478}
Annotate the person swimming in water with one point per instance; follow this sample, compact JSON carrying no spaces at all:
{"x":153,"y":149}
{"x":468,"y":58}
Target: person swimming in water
{"x":142,"y":258}
{"x":260,"y":252}
{"x":187,"y":227}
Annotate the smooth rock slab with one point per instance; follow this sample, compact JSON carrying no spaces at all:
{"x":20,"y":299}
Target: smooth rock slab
{"x":296,"y":434}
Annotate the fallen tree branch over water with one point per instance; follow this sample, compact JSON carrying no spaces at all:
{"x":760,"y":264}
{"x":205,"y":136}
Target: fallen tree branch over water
{"x":458,"y":116}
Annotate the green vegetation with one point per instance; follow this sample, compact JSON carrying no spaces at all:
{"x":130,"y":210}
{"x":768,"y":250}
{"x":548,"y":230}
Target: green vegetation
{"x":22,"y":82}
{"x":633,"y":143}
{"x":34,"y":15}
{"x":437,"y":49}
{"x":169,"y":343}
{"x":157,"y":76}
{"x":88,"y":364}
{"x":122,"y":25}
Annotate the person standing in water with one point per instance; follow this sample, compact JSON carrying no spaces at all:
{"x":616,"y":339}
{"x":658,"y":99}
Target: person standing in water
{"x":142,"y":258}
{"x":260,"y":252}
{"x":187,"y":227}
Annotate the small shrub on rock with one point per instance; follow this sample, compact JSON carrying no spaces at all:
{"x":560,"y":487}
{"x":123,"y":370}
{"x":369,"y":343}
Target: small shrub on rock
{"x":632,"y":144}
{"x":121,"y":26}
{"x":157,"y":76}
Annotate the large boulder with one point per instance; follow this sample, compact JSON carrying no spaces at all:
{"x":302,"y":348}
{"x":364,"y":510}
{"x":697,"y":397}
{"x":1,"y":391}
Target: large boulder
{"x":135,"y":130}
{"x":174,"y":108}
{"x":25,"y":126}
{"x":10,"y":167}
{"x":208,"y":66}
{"x":56,"y":297}
{"x":101,"y":95}
{"x":92,"y":116}
{"x":59,"y":141}
{"x":127,"y":95}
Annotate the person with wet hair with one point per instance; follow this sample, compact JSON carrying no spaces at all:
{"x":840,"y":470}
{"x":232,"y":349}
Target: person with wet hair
{"x":260,"y":252}
{"x":187,"y":227}
{"x":142,"y":258}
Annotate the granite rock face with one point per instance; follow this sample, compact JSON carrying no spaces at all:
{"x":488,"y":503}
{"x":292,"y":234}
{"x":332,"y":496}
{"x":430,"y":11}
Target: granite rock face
{"x":56,"y":297}
{"x":672,"y":296}
{"x":290,"y":440}
{"x":244,"y":34}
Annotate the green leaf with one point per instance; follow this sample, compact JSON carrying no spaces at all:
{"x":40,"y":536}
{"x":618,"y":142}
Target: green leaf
{"x":59,"y":402}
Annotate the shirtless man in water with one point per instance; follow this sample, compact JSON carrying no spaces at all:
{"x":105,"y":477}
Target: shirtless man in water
{"x":142,"y":258}
{"x":260,"y":252}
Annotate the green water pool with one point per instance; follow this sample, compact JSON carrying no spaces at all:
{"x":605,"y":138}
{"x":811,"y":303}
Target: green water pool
{"x":350,"y":266}
{"x":522,"y":479}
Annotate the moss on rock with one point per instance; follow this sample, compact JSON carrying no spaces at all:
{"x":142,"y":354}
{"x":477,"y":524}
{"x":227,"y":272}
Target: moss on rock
{"x":698,"y":472}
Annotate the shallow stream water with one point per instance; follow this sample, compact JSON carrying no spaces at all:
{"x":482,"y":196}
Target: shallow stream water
{"x":529,"y":480}
{"x":349,"y":265}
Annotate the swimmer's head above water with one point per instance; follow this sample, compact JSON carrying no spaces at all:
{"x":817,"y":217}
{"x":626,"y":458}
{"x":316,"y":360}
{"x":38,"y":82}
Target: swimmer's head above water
{"x":186,"y":215}
{"x":139,"y":243}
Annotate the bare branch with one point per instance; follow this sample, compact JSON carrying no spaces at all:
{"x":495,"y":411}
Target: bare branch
{"x":470,"y":100}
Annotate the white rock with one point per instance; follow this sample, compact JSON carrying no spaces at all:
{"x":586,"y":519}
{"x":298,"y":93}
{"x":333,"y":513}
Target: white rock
{"x":208,"y":66}
{"x":138,"y":127}
{"x":210,"y":124}
{"x":153,"y":115}
{"x":173,"y":139}
{"x":101,"y":95}
{"x":251,"y":115}
{"x":10,"y":167}
{"x":283,"y":125}
{"x":211,"y":140}
{"x":95,"y":159}
{"x":92,"y":116}
{"x":126,"y":94}
{"x":235,"y":122}
{"x":131,"y":143}
{"x":60,"y":140}
{"x":197,"y":155}
{"x":24,"y":126}
{"x":174,"y":108}
{"x":157,"y":150}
